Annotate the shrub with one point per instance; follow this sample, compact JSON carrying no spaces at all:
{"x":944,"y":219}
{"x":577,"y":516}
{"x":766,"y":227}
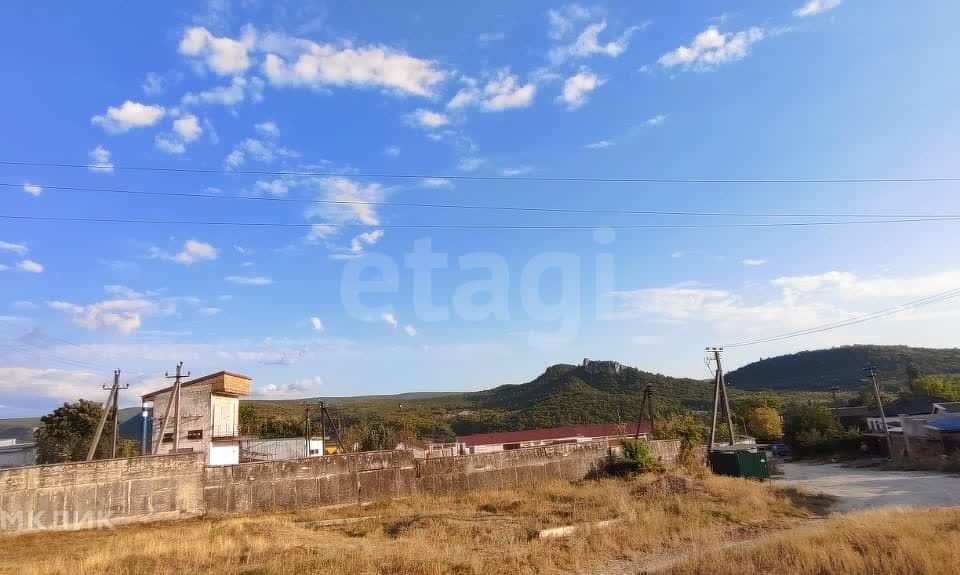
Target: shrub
{"x":636,"y":458}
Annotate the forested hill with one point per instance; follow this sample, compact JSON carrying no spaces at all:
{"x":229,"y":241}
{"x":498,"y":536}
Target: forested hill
{"x":567,"y":394}
{"x":841,"y":367}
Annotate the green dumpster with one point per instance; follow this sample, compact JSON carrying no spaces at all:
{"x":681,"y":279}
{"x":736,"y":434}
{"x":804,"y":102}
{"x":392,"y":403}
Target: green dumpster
{"x":739,"y":463}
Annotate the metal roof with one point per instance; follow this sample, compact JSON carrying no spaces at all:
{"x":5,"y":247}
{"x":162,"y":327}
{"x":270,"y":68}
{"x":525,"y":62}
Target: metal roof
{"x":554,"y":433}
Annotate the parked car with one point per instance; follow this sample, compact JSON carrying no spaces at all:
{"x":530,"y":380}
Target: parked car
{"x":781,"y":449}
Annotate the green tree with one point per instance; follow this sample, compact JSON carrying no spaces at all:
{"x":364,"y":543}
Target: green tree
{"x":764,"y":423}
{"x":65,"y":434}
{"x":936,"y":386}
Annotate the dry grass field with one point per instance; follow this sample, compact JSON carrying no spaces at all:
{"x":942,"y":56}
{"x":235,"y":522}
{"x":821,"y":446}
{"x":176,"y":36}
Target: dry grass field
{"x":669,"y":523}
{"x":488,"y":533}
{"x":892,"y":541}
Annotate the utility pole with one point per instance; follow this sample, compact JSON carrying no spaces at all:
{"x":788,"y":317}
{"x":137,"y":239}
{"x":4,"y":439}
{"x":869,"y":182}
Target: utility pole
{"x":720,"y":393}
{"x":336,"y":432}
{"x":646,"y":404}
{"x":872,"y":371}
{"x":109,"y":407}
{"x":173,"y":402}
{"x":306,"y":429}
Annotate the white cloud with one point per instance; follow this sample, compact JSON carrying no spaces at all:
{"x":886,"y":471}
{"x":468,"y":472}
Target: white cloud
{"x":392,"y":151}
{"x":654,"y":121}
{"x":277,"y":187}
{"x":129,"y":115}
{"x":57,"y":384}
{"x":503,"y":91}
{"x":267,"y":129}
{"x":232,"y":94}
{"x":753,"y":262}
{"x":577,"y":88}
{"x":169,"y":145}
{"x":317,"y":324}
{"x":250,"y":280}
{"x":300,"y":389}
{"x":19,"y":249}
{"x":264,"y":151}
{"x":560,"y":21}
{"x":187,"y":127}
{"x":362,"y":209}
{"x":154,"y":84}
{"x":32,"y":189}
{"x":712,"y":48}
{"x":390,"y":319}
{"x":100,"y":160}
{"x":814,"y":7}
{"x":517,"y":171}
{"x":365,"y":239}
{"x":436,"y":183}
{"x":411,"y":331}
{"x":486,"y":38}
{"x":428,"y":119}
{"x":600,"y":144}
{"x":30,"y":266}
{"x":209,"y":311}
{"x":470,"y":164}
{"x":306,"y":63}
{"x":195,"y":251}
{"x":122,"y":315}
{"x":587,"y":44}
{"x":124,"y":292}
{"x":225,"y":56}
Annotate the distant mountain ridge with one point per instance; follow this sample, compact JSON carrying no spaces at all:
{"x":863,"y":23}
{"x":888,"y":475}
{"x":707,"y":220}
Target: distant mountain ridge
{"x":841,"y":367}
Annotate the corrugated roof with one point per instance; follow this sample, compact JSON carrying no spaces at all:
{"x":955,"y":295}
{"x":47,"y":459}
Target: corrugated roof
{"x":946,"y":424}
{"x":950,"y":406}
{"x":553,"y":433}
{"x":920,"y":405}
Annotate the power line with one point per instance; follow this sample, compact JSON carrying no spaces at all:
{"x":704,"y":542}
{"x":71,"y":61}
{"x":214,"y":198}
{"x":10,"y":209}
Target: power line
{"x":536,"y":209}
{"x":929,"y":300}
{"x":468,"y":177}
{"x":231,"y":223}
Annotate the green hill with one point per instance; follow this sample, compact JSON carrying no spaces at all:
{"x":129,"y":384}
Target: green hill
{"x":841,"y":367}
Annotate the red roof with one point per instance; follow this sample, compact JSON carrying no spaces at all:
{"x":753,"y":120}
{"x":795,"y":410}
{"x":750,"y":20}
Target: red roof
{"x":554,"y":433}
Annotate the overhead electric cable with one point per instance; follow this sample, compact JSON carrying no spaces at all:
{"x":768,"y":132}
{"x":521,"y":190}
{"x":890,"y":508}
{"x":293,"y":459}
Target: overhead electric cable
{"x":231,"y":223}
{"x":474,"y":177}
{"x":535,"y":209}
{"x":929,"y":300}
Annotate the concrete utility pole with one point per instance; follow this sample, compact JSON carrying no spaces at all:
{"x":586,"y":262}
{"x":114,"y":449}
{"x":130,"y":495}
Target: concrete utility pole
{"x":109,"y":407}
{"x":720,"y":393}
{"x":306,"y":428}
{"x":173,"y":402}
{"x":646,"y":404}
{"x":872,"y":371}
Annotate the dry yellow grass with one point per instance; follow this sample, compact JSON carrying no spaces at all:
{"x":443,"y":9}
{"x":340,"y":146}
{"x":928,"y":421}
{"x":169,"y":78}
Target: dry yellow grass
{"x":488,"y":533}
{"x":889,"y":541}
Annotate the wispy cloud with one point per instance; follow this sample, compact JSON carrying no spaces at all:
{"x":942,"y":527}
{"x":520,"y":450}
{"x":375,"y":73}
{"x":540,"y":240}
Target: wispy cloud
{"x":600,"y":144}
{"x":814,"y":7}
{"x":712,"y":48}
{"x":249,"y":280}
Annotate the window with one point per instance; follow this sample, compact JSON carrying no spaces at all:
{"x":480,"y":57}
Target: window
{"x":195,"y":434}
{"x":168,"y":438}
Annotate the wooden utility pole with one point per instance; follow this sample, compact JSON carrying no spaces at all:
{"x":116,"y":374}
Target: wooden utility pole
{"x":173,"y":402}
{"x":720,"y":394}
{"x":109,"y":407}
{"x":872,"y":371}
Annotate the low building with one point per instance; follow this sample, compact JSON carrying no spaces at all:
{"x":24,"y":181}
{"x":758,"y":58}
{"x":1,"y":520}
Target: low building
{"x":894,"y":411}
{"x":209,"y":418}
{"x":427,"y":449}
{"x":505,"y":441}
{"x":946,"y":407}
{"x":852,"y":417}
{"x":13,"y":454}
{"x":260,"y":449}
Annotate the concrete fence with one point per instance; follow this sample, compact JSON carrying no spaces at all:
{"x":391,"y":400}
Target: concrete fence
{"x":113,"y":492}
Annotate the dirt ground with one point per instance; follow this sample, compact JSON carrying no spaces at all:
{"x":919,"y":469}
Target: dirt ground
{"x":867,"y":488}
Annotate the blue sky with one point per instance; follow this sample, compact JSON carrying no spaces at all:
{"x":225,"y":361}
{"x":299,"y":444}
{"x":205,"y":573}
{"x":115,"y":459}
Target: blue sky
{"x":234,"y":92}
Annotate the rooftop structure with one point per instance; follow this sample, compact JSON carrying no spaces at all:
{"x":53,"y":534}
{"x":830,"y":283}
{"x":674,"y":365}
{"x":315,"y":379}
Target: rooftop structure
{"x":504,"y":441}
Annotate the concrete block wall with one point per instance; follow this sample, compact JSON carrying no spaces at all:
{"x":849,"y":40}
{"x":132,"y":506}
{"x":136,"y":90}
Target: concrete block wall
{"x":179,"y":486}
{"x":309,"y":482}
{"x":101,"y":493}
